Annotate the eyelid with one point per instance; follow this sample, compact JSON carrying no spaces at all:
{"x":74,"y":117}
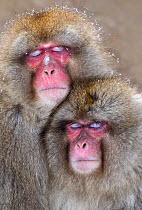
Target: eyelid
{"x":58,"y":49}
{"x":95,"y":124}
{"x":75,"y":125}
{"x":35,"y":53}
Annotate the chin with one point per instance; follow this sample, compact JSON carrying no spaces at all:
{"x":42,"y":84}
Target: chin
{"x":86,"y":167}
{"x":54,"y":96}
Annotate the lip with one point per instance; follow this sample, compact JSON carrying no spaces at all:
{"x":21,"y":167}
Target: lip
{"x":80,"y":159}
{"x":84,"y":160}
{"x":53,"y":88}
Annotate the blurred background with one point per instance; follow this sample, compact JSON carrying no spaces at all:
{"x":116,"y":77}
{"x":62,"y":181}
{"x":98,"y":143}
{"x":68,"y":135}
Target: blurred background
{"x":121,"y":21}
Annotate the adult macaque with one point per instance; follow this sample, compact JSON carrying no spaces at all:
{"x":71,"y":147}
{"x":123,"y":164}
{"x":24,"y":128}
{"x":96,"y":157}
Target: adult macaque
{"x":41,"y":54}
{"x":94,"y":148}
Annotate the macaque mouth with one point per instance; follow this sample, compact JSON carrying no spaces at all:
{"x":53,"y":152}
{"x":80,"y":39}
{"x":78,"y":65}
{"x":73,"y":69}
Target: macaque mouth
{"x":53,"y":88}
{"x":84,"y":160}
{"x":54,"y":93}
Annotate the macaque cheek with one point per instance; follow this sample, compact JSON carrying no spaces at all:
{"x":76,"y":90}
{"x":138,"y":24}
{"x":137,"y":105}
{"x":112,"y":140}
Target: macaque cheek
{"x":85,"y":156}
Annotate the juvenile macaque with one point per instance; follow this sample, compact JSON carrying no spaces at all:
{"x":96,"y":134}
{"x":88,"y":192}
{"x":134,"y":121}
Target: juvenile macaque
{"x":41,"y":55}
{"x":94,"y":148}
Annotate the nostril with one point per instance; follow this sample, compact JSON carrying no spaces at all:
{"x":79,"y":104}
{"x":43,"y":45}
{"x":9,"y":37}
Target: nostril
{"x":84,"y":145}
{"x":46,"y":72}
{"x":52,"y":71}
{"x":49,"y":72}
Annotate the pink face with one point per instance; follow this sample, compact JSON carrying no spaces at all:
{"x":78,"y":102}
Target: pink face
{"x":85,"y":145}
{"x":51,"y":80}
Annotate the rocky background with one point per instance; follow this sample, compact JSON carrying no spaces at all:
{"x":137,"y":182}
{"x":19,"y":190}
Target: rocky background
{"x":121,"y":21}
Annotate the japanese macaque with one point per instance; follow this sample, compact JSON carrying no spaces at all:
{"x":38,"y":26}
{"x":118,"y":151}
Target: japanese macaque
{"x":41,"y":55}
{"x":94,"y":147}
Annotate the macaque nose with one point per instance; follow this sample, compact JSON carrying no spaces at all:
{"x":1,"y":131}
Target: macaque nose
{"x":82,"y":145}
{"x":49,"y":72}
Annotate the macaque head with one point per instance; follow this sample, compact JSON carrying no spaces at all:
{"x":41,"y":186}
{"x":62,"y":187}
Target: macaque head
{"x":92,"y":128}
{"x":43,"y":52}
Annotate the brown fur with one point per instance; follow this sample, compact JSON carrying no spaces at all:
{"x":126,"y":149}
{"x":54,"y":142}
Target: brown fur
{"x":119,"y":184}
{"x":24,"y":179}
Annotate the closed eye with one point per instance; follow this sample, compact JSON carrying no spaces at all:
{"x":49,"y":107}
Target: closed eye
{"x":58,"y":49}
{"x":75,"y":125}
{"x":96,"y":125}
{"x":35,"y":53}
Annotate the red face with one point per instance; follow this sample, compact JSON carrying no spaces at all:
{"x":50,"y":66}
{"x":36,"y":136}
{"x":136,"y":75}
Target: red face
{"x":51,"y":80}
{"x":85,"y":145}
